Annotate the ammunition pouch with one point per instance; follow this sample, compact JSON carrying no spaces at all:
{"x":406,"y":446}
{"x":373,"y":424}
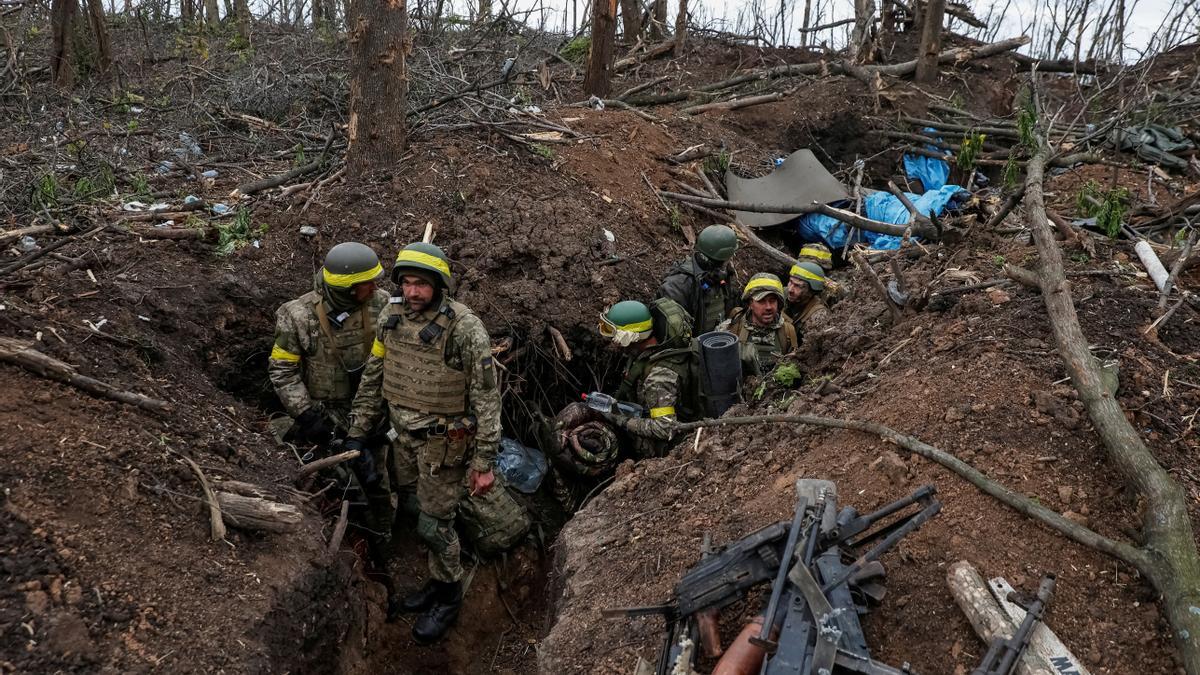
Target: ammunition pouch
{"x":448,"y":442}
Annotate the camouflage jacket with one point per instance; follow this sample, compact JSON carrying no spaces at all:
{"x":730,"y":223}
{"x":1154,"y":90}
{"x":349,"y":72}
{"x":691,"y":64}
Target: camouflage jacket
{"x":468,"y":349}
{"x":762,"y":346}
{"x":811,"y":316}
{"x":306,"y":368}
{"x":657,"y":387}
{"x":707,"y":296}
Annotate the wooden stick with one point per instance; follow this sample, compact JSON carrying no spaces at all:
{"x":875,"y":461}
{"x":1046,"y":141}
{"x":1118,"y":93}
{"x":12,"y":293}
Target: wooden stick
{"x":1176,"y":269}
{"x":21,"y":232}
{"x":560,"y":344}
{"x":866,"y":269}
{"x":22,"y":354}
{"x":1009,"y":204}
{"x":215,"y":522}
{"x":339,"y":530}
{"x":733,"y":104}
{"x":275,"y":181}
{"x":255,"y":513}
{"x":990,"y":622}
{"x":326,"y":462}
{"x":774,"y":253}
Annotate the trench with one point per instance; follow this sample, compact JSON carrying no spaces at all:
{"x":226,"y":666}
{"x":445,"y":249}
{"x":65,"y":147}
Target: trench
{"x":333,"y":619}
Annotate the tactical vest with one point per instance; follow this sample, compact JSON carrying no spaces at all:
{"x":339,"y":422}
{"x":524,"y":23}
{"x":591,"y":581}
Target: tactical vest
{"x":415,"y":373}
{"x":338,"y":353}
{"x":684,"y":362}
{"x":785,"y":340}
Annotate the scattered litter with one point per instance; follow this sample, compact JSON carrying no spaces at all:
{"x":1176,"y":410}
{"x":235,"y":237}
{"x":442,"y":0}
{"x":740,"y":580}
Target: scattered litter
{"x":522,"y":467}
{"x":532,"y":110}
{"x":609,"y":235}
{"x":932,"y":172}
{"x":27,"y":244}
{"x":190,"y":199}
{"x":221,"y":209}
{"x":882,"y":206}
{"x":144,"y":318}
{"x":136,"y":109}
{"x":92,"y":276}
{"x":164,"y":167}
{"x":595,"y":103}
{"x":1155,"y":143}
{"x":133,"y":206}
{"x":96,"y":326}
{"x":165,"y":223}
{"x":308,"y":230}
{"x":188,"y":146}
{"x":211,"y":173}
{"x":256,"y":244}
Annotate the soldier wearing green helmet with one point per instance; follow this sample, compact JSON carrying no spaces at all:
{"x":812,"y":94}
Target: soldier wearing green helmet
{"x":765,"y":335}
{"x":703,"y":283}
{"x":806,"y":287}
{"x":431,"y":369}
{"x":322,"y":342}
{"x":660,"y":375}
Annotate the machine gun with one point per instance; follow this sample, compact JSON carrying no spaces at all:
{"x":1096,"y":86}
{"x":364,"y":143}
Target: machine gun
{"x":1004,"y":653}
{"x":824,"y":572}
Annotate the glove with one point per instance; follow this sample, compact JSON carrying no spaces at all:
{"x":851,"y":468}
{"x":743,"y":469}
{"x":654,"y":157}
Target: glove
{"x":364,"y":466}
{"x":617,"y":420}
{"x":313,"y":427}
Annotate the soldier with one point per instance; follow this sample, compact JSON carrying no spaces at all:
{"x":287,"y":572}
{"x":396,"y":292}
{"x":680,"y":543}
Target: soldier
{"x":821,"y":255}
{"x":660,"y":376}
{"x":322,"y":341}
{"x":432,"y":363}
{"x":760,"y":326}
{"x":805,"y":309}
{"x":703,"y":283}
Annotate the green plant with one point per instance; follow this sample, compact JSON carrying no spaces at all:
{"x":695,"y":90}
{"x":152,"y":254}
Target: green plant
{"x":1026,"y":123}
{"x":719,"y":163}
{"x":676,"y":218}
{"x":45,"y":192}
{"x":972,"y":147}
{"x":542,"y":150}
{"x":998,"y":260}
{"x":140,"y":185}
{"x":576,"y":50}
{"x":786,"y":374}
{"x":1106,"y":206}
{"x":1012,"y":172}
{"x":237,"y":233}
{"x":131,"y":125}
{"x":1080,"y":257}
{"x":299,"y":159}
{"x":758,"y":392}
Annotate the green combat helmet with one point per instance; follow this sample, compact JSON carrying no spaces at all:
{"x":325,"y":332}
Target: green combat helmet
{"x":424,"y":258}
{"x":811,"y":273}
{"x":717,"y":242}
{"x":350,"y":263}
{"x":817,"y":253}
{"x":763,"y":284}
{"x":627,"y":322}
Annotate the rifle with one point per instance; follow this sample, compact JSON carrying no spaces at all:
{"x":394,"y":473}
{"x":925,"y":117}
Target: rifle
{"x":1004,"y":653}
{"x":818,"y":624}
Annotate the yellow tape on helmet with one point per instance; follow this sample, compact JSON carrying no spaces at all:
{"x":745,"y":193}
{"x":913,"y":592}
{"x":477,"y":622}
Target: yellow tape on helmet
{"x":798,"y":271}
{"x":424,"y":259}
{"x":348,"y":280}
{"x":814,"y":252}
{"x":771,"y":284}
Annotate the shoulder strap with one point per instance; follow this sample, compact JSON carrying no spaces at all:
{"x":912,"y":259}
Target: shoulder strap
{"x":791,"y":341}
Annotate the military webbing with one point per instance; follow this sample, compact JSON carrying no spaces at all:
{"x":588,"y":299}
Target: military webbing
{"x":327,"y":329}
{"x":415,"y":373}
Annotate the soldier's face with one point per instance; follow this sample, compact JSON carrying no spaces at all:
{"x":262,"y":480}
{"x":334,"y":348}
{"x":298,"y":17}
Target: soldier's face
{"x":765,"y":311}
{"x":362,"y":292}
{"x":798,"y":290}
{"x":418,"y":292}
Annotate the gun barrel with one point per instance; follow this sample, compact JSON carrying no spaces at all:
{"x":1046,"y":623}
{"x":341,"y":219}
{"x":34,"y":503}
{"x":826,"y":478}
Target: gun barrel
{"x":785,"y":563}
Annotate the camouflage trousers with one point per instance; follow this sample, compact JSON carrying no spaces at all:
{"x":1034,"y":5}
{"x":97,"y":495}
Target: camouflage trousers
{"x":439,"y":497}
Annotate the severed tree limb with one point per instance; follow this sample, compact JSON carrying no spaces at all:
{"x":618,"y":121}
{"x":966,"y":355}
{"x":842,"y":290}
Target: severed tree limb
{"x":275,"y":181}
{"x":865,"y":268}
{"x":854,"y":219}
{"x":1169,"y":560}
{"x":339,"y":530}
{"x":1006,"y":208}
{"x":774,"y":253}
{"x":215,"y":521}
{"x":734,"y":104}
{"x":326,"y":462}
{"x":1018,"y":502}
{"x":24,"y":355}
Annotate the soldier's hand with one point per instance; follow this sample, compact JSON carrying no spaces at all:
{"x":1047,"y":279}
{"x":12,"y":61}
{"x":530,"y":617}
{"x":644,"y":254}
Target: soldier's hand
{"x":481,"y":483}
{"x":364,"y":466}
{"x":312,"y":426}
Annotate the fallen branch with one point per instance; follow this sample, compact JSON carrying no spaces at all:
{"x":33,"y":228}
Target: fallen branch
{"x":276,"y":181}
{"x":774,"y":253}
{"x":560,"y":344}
{"x":1006,"y":208}
{"x":326,"y":462}
{"x":24,"y":355}
{"x":24,"y":231}
{"x":216,"y":522}
{"x":1169,"y":559}
{"x":866,"y":269}
{"x":1177,"y":268}
{"x":971,"y":594}
{"x":339,"y":530}
{"x":256,"y":513}
{"x":733,"y":104}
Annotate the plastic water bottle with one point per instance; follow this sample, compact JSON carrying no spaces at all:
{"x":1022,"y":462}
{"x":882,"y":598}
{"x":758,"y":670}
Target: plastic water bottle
{"x":27,"y":244}
{"x":522,"y":467}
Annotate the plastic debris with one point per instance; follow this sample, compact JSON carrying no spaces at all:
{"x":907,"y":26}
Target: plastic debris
{"x":308,"y":231}
{"x":221,"y":209}
{"x":166,"y":223}
{"x":133,"y":206}
{"x":188,"y":147}
{"x":522,"y":467}
{"x":211,"y":173}
{"x":190,"y":199}
{"x":164,"y":167}
{"x":27,"y":244}
{"x":595,"y":103}
{"x":609,"y":235}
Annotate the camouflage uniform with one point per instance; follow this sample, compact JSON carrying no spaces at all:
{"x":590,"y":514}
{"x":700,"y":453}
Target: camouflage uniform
{"x":762,"y":346}
{"x":809,"y":317}
{"x":707,"y":296}
{"x":444,"y":405}
{"x":312,"y":365}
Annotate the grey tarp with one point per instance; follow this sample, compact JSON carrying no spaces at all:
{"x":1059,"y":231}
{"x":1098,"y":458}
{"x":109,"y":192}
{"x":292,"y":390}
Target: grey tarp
{"x":799,"y":181}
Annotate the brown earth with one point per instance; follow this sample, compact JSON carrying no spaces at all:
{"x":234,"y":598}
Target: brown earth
{"x":104,"y":551}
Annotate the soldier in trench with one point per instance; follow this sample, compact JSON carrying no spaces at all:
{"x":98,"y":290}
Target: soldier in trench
{"x":431,"y":368}
{"x":703,"y":283}
{"x":322,"y":341}
{"x":806,"y":309}
{"x":765,"y":335}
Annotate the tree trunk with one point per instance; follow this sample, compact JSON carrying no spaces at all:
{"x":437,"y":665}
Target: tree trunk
{"x":62,"y":58}
{"x":379,"y":45}
{"x":256,"y":513}
{"x":931,"y":41}
{"x":860,"y":38}
{"x":485,"y":11}
{"x":241,"y":9}
{"x":228,"y":8}
{"x":598,"y":81}
{"x":1169,"y":558}
{"x":187,"y":12}
{"x":318,"y":13}
{"x":631,"y":19}
{"x":100,"y":32}
{"x":211,"y":13}
{"x":681,"y":22}
{"x":658,"y":19}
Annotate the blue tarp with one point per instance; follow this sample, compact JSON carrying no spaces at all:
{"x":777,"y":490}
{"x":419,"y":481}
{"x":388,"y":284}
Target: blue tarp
{"x":933,"y":173}
{"x":882,"y":206}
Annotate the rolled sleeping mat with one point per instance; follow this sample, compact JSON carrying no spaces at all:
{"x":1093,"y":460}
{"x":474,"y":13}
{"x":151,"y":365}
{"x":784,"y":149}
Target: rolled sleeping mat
{"x":720,"y":371}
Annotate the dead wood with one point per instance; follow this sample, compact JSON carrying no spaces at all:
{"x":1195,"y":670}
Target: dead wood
{"x":275,"y":181}
{"x":643,"y":87}
{"x":256,"y":513}
{"x":1064,"y":161}
{"x":1169,"y":559}
{"x":326,"y":462}
{"x":971,"y":593}
{"x":24,"y":231}
{"x":215,"y":520}
{"x":24,"y":355}
{"x":653,"y":52}
{"x":339,"y":530}
{"x":1006,"y":208}
{"x":734,"y":104}
{"x":840,"y":214}
{"x":1177,"y":268}
{"x":866,"y":269}
{"x":915,"y":216}
{"x":774,"y":253}
{"x":560,"y":344}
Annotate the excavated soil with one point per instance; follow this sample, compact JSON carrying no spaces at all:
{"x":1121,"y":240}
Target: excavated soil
{"x":104,"y":547}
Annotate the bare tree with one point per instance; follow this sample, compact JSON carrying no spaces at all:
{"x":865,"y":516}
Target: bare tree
{"x":931,"y":41}
{"x":598,"y":81}
{"x":631,"y":19}
{"x":187,"y":11}
{"x":241,"y":9}
{"x":62,"y":61}
{"x":860,"y":48}
{"x":379,"y":46}
{"x":681,"y":23}
{"x":658,"y":19}
{"x":211,"y":13}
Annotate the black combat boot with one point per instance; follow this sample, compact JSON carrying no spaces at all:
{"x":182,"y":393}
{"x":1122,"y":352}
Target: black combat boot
{"x":421,"y":600}
{"x":435,"y":623}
